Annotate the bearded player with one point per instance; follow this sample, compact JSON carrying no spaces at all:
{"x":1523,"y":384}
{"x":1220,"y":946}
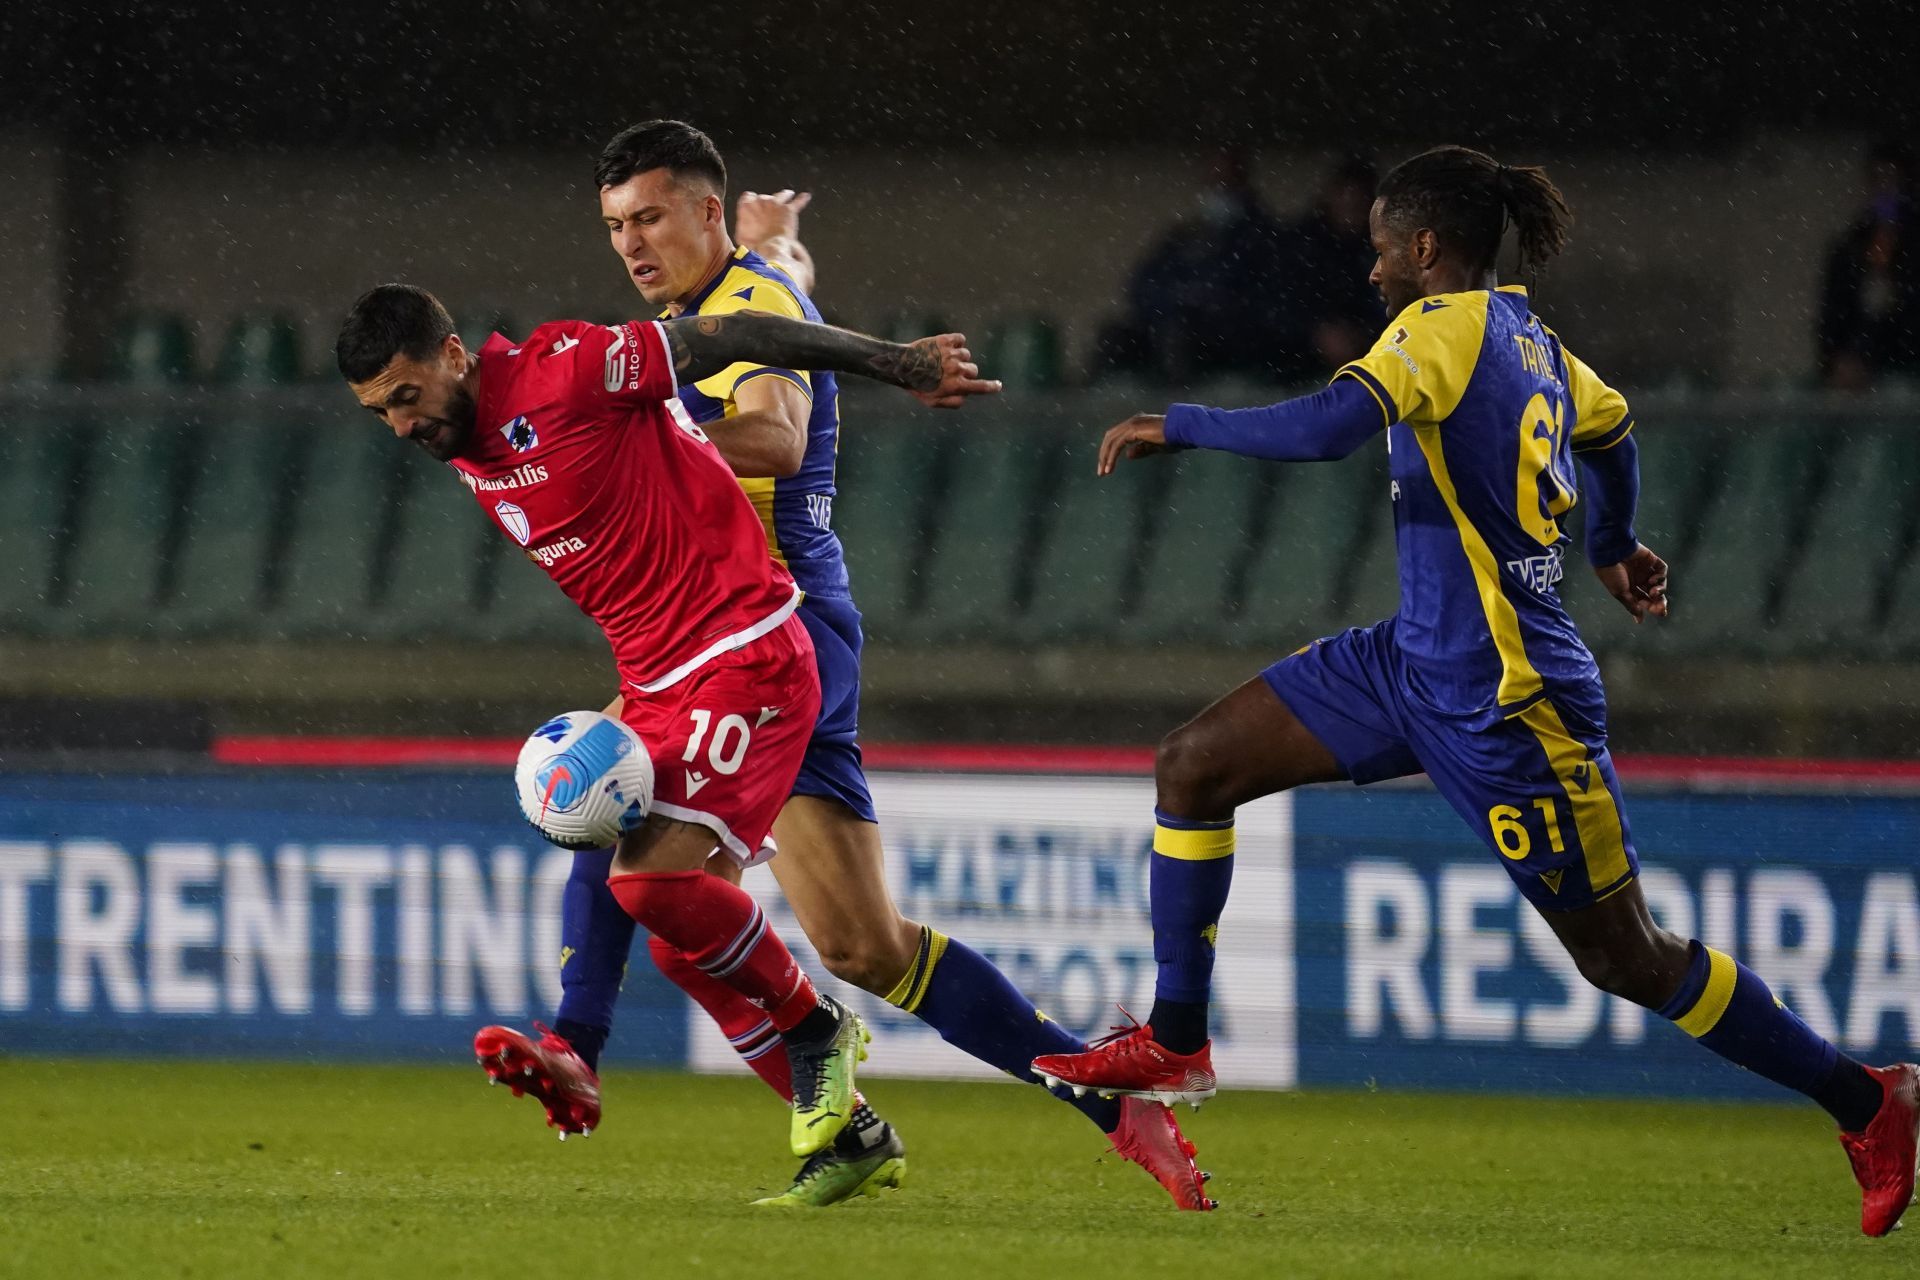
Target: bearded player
{"x":566,"y":441}
{"x":662,"y":186}
{"x":1494,"y":432}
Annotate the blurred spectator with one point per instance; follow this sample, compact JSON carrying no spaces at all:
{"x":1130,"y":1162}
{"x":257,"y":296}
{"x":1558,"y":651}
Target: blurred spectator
{"x":1199,"y":301}
{"x":1870,"y":300}
{"x":1233,"y":288}
{"x":1329,"y":314}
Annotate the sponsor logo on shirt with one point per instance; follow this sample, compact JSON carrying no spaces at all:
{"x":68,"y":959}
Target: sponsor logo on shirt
{"x":1539,"y":573}
{"x":519,"y":433}
{"x":514,"y":521}
{"x":527,"y":473}
{"x":557,"y":550}
{"x":623,"y":360}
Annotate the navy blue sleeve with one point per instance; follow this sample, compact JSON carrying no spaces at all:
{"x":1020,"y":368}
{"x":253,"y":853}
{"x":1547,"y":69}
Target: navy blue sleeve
{"x":1611,"y":478}
{"x":1328,"y":424}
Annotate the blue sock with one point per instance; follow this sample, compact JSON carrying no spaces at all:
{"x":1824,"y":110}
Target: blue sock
{"x":957,"y":991}
{"x":1728,"y":1009}
{"x":1192,"y":871}
{"x":596,"y":933}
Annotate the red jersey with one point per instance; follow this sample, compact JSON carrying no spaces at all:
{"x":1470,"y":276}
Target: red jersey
{"x":629,"y":510}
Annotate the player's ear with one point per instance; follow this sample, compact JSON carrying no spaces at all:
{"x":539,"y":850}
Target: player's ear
{"x":454,"y":352}
{"x":1426,"y":247}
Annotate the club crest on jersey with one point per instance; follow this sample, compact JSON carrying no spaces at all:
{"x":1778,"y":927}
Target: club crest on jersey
{"x":514,"y":521}
{"x":520,"y":434}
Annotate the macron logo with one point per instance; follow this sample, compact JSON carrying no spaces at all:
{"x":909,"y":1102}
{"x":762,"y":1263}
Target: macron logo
{"x":563,"y":346}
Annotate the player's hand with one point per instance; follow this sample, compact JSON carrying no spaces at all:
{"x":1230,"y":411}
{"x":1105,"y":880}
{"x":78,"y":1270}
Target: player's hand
{"x":1639,"y":583}
{"x":1137,"y":437}
{"x":944,"y":374}
{"x":758,"y":218}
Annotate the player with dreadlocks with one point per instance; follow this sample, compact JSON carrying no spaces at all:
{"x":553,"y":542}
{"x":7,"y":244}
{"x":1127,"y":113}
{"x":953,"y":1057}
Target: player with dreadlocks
{"x":1494,"y":432}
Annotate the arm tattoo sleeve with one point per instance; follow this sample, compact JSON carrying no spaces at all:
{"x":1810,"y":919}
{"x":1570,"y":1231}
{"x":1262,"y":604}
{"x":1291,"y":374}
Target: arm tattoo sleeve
{"x":704,"y":345}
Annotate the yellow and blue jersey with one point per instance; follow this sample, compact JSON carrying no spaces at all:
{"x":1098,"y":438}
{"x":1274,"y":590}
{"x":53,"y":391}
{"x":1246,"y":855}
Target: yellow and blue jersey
{"x":796,"y":510}
{"x":1485,"y":409}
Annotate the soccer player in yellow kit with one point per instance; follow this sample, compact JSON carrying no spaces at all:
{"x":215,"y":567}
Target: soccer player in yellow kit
{"x":1494,"y":432}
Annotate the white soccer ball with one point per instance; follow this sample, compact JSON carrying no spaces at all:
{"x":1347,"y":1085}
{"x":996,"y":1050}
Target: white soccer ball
{"x":583,"y":779}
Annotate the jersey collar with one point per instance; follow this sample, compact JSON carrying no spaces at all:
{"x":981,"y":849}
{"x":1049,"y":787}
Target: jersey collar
{"x":699,"y":299}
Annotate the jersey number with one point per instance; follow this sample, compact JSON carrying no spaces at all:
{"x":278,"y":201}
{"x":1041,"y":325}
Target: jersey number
{"x":1510,"y":833}
{"x":1542,"y":491}
{"x":729,"y":745}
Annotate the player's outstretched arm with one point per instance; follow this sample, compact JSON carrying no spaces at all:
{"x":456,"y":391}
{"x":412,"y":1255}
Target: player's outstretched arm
{"x":1324,"y":426}
{"x":938,"y":370}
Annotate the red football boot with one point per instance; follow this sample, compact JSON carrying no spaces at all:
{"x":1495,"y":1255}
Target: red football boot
{"x":1131,"y":1064}
{"x":1150,"y":1137}
{"x":1883,"y":1155}
{"x":549,"y":1070}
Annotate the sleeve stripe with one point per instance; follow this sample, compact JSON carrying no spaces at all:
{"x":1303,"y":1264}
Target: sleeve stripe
{"x":763,"y":370}
{"x":1373,"y":384}
{"x":1606,"y":439}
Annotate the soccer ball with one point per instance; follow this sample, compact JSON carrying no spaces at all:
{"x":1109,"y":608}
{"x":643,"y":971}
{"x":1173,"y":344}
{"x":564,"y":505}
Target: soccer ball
{"x":583,"y":778}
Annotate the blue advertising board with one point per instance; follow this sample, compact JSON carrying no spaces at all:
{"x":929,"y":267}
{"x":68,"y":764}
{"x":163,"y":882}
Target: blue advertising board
{"x":1370,"y":940}
{"x":310,"y":914}
{"x":1420,"y":966}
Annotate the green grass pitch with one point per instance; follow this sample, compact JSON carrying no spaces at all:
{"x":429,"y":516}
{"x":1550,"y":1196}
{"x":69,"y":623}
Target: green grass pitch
{"x":158,"y":1169}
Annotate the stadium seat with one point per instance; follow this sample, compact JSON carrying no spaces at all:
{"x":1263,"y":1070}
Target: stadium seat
{"x":1090,"y":546}
{"x":441,"y":542}
{"x":153,"y":349}
{"x":259,"y":351}
{"x":121,"y":531}
{"x":1749,"y":527}
{"x":1899,"y":634}
{"x":336,"y":538}
{"x":1205,"y":510}
{"x":1023,"y":351}
{"x":885,"y":476}
{"x":1321,"y":514}
{"x":38,"y":457}
{"x":977,"y":549}
{"x":524,"y":607}
{"x":237,"y":493}
{"x":1831,"y":602}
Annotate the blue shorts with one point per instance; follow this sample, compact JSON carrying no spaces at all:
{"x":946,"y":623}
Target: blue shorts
{"x":1538,"y":786}
{"x":832,"y":768}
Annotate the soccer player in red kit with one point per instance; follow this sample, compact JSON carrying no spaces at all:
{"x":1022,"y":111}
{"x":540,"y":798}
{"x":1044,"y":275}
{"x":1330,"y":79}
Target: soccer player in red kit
{"x":568,"y":444}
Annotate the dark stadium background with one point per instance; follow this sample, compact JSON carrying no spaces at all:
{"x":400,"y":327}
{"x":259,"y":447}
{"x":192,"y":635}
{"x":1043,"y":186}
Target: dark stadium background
{"x":219,"y":165}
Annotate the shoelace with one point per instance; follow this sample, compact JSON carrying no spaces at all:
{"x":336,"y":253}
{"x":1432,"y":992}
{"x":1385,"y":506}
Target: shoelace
{"x":1119,"y":1031}
{"x":808,"y":1076}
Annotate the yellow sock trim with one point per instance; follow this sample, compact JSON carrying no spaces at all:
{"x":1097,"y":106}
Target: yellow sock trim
{"x":912,"y":987}
{"x":1192,"y":846}
{"x":1712,"y":1004}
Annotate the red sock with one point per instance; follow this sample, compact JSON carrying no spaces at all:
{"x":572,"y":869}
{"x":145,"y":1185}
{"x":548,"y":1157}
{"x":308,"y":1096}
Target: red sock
{"x":724,"y":933}
{"x":741,"y":1021}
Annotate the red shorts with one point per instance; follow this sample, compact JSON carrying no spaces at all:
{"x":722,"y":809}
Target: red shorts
{"x":727,"y":741}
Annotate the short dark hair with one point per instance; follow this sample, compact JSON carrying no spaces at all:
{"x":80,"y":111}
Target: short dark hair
{"x":673,"y":145}
{"x":1467,"y":197}
{"x":389,"y":320}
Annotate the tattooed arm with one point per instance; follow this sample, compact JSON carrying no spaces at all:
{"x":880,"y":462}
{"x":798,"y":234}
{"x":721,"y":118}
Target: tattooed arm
{"x":939,"y":370}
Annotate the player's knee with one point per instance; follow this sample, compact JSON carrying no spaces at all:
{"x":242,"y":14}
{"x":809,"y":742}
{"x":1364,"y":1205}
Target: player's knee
{"x":1634,"y":969}
{"x":1189,"y":775}
{"x":871,"y":959}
